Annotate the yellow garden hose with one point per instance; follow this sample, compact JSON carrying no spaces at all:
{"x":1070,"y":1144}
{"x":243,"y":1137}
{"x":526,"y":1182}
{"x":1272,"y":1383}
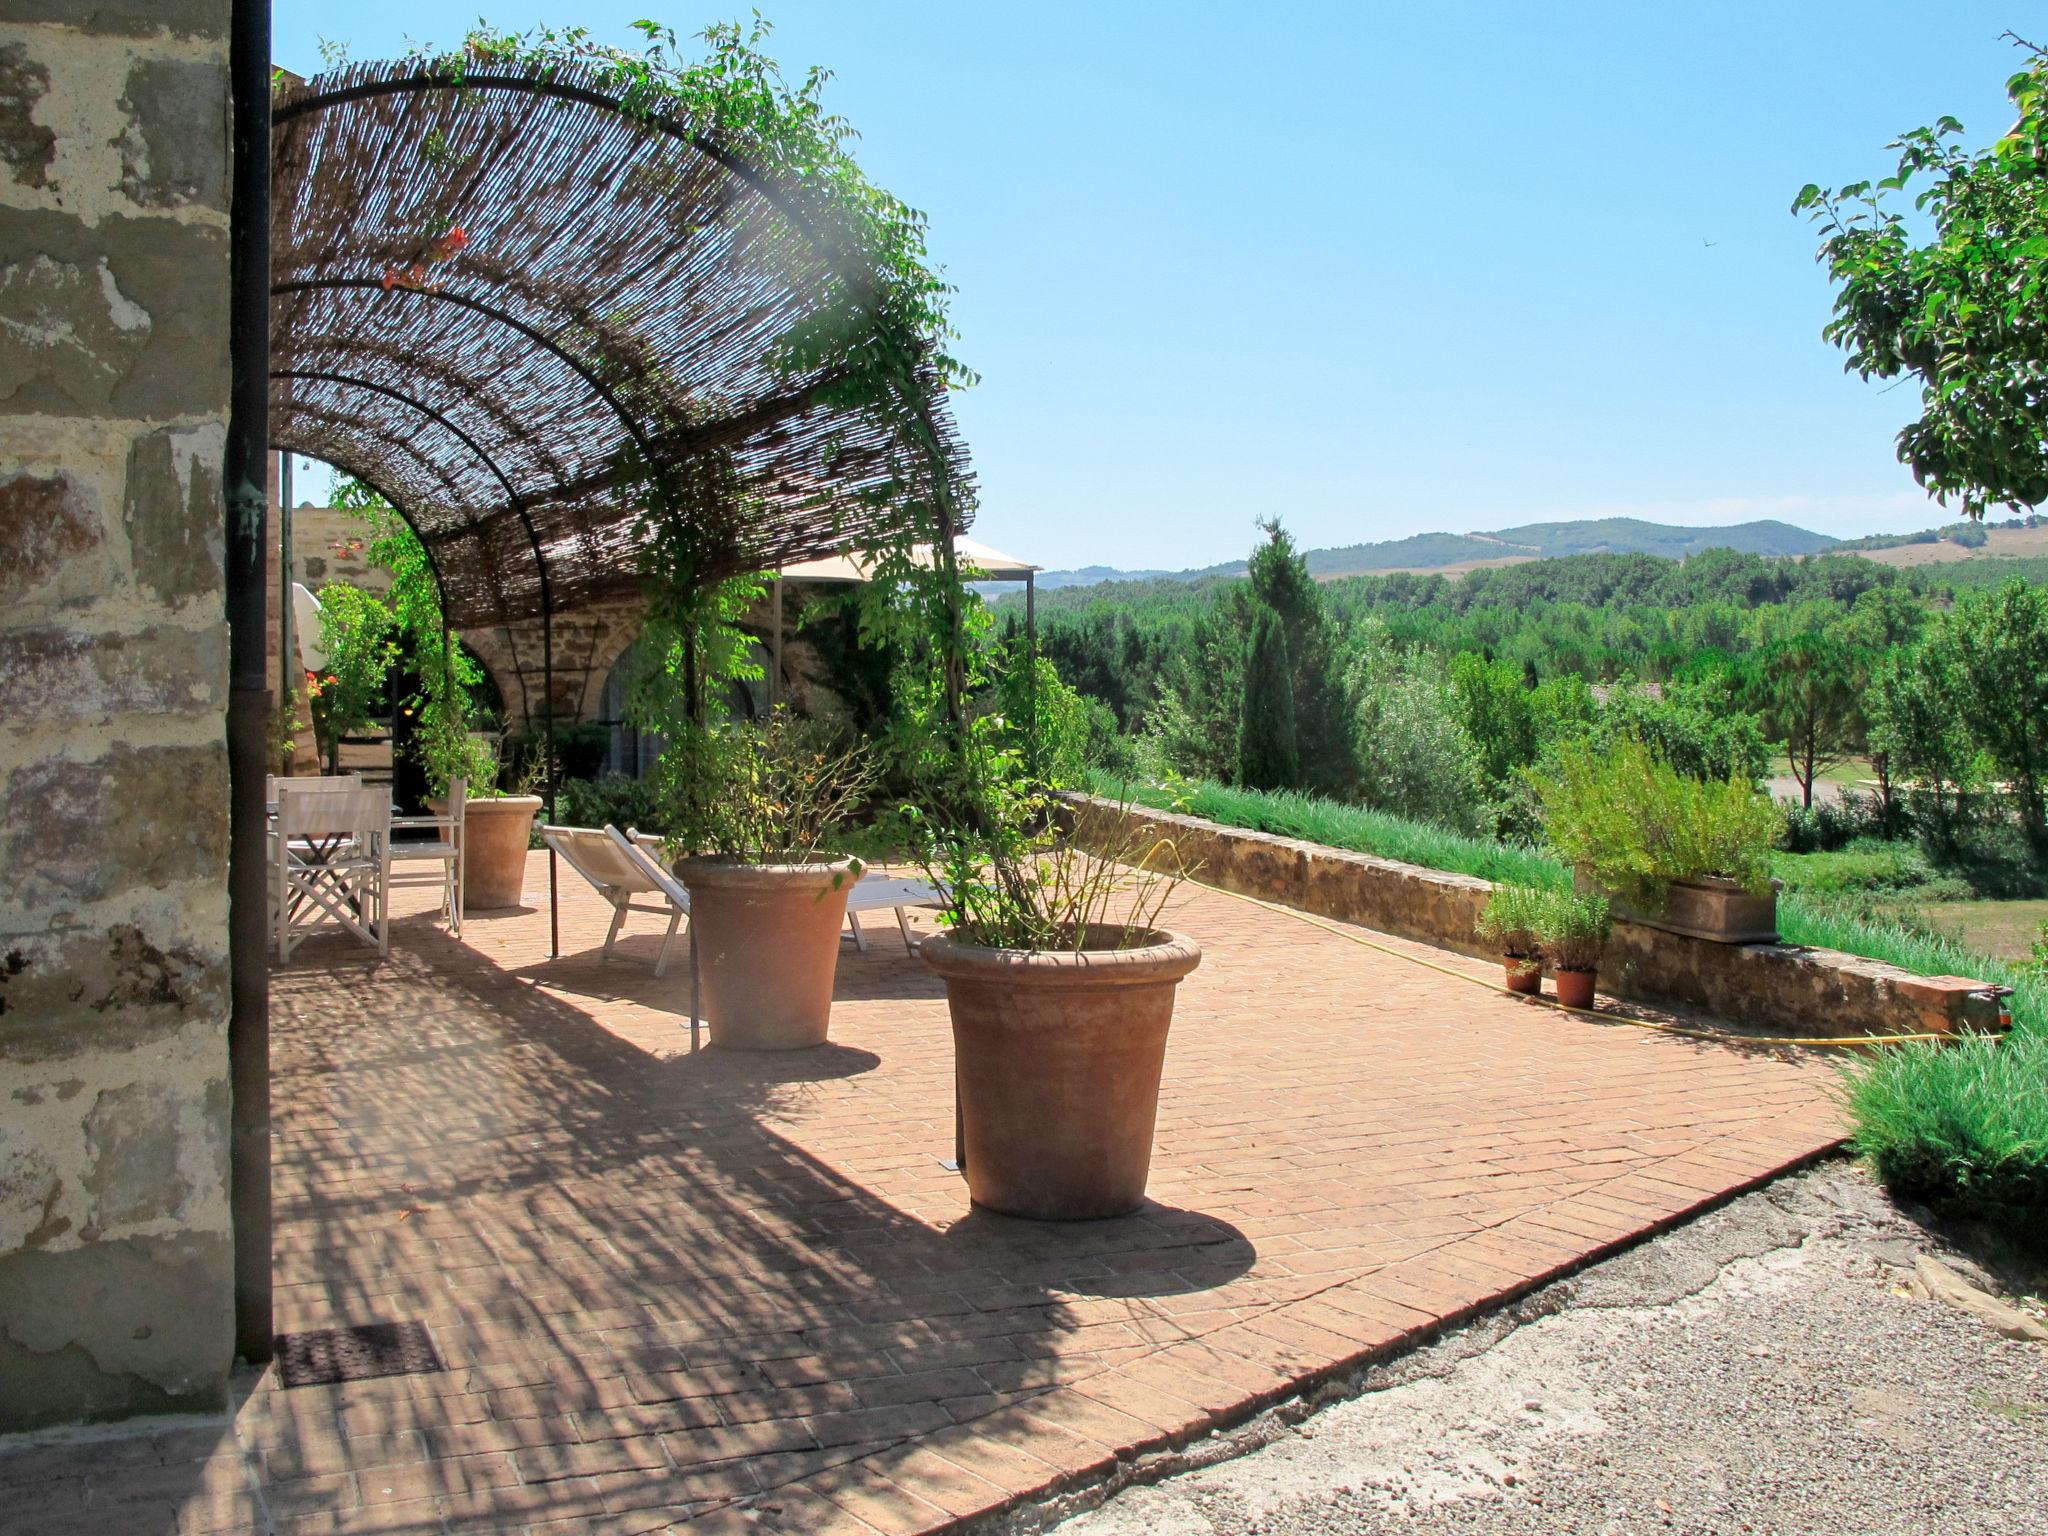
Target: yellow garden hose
{"x":1722,"y":1037}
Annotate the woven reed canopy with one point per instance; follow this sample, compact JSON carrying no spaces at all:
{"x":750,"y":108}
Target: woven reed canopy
{"x":489,"y":300}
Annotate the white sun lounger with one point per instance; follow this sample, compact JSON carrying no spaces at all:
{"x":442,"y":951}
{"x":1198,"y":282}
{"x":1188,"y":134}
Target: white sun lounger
{"x":871,"y":893}
{"x":621,"y":872}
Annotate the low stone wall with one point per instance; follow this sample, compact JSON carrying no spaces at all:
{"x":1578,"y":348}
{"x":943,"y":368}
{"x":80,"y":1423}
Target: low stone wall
{"x":1781,"y":988}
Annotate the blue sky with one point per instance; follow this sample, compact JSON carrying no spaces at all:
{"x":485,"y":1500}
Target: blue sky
{"x":1375,"y":269}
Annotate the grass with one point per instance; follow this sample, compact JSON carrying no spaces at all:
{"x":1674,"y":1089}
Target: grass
{"x":1869,"y":867}
{"x":1963,"y":1126}
{"x":2003,"y":928}
{"x":1287,"y":813}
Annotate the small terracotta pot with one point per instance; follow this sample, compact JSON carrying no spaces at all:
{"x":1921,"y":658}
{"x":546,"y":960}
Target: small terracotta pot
{"x":1057,"y":1060}
{"x":494,"y":837}
{"x":1524,"y":973}
{"x":1575,"y":988}
{"x":767,"y":938}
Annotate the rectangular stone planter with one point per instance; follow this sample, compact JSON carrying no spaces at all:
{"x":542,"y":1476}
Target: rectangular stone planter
{"x":1719,"y":911}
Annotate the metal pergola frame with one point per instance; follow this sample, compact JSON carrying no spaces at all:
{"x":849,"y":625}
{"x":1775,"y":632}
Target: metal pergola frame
{"x":518,"y":390}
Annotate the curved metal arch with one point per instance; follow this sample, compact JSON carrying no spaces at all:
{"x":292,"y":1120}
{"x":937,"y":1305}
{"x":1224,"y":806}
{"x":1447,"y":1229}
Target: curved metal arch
{"x":433,"y":566}
{"x":512,"y":496}
{"x":355,"y":349}
{"x":489,"y":312}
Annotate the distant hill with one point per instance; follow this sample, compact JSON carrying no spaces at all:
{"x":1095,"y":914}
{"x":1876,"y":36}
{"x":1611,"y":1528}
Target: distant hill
{"x":1452,"y":553}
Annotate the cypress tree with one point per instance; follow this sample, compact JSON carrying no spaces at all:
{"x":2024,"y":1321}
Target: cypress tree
{"x":1268,"y":750}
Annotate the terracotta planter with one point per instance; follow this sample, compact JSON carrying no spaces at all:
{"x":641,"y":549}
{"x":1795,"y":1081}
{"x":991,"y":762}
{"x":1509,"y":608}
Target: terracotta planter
{"x":1712,"y":909}
{"x":1057,"y":1061}
{"x":494,"y":837}
{"x":1524,"y":973}
{"x":1575,"y":988}
{"x":767,"y":938}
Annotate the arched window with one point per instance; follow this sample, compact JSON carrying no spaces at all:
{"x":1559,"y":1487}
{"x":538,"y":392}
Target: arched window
{"x":632,"y":750}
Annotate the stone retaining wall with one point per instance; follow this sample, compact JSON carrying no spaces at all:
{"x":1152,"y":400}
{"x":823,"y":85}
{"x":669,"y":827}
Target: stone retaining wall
{"x":115,"y":1255}
{"x":1782,"y":988}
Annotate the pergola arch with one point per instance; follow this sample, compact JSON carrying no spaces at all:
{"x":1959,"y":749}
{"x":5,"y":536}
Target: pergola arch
{"x":617,"y":295}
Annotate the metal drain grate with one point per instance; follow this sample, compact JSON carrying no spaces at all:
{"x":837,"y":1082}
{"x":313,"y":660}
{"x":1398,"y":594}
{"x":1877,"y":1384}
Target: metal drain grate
{"x":320,"y":1357}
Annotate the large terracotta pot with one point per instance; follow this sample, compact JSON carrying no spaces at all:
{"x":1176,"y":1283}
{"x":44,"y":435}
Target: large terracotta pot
{"x":495,"y":833}
{"x":1057,"y":1058}
{"x":767,"y":938}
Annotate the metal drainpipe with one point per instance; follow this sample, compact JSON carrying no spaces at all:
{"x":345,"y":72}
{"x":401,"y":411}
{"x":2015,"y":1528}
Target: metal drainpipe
{"x":286,"y":682}
{"x":246,"y":475}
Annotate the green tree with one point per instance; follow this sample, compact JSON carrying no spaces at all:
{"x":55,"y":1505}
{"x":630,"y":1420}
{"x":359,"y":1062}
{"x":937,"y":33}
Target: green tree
{"x":1268,"y":747}
{"x":1498,"y":714}
{"x":1916,"y":727}
{"x":356,"y":632}
{"x":1998,"y":643}
{"x":1277,"y":577}
{"x":1414,"y":758}
{"x":1807,"y":686}
{"x":1960,"y":310}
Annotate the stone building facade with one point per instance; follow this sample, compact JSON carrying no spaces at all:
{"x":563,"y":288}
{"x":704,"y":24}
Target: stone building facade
{"x":115,"y":1244}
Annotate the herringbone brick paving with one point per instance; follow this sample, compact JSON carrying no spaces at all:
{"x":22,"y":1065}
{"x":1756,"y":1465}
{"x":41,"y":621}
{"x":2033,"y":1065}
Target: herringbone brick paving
{"x":742,"y":1293}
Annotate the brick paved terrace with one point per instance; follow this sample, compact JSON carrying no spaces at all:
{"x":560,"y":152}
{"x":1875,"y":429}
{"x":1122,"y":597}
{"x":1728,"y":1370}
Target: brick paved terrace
{"x":742,"y":1293}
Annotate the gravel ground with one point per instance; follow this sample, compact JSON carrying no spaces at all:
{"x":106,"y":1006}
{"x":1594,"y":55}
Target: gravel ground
{"x":1772,"y":1367}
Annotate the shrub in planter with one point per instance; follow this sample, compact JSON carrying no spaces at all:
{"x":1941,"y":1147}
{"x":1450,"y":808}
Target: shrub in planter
{"x":755,"y":809}
{"x":1573,"y":928}
{"x":1691,"y":855}
{"x":497,"y":826}
{"x":1060,"y":983}
{"x":1513,"y":920}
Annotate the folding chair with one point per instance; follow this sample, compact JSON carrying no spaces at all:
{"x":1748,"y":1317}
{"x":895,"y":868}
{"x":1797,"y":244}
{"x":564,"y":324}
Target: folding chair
{"x":332,"y":849}
{"x":445,"y":850}
{"x":872,"y":893}
{"x":619,"y":877}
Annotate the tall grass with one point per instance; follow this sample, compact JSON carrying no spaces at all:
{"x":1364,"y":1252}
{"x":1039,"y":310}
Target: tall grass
{"x":1965,"y":1126}
{"x":1289,"y":813}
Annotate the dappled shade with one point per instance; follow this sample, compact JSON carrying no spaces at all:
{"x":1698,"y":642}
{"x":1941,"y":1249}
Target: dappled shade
{"x":492,"y":301}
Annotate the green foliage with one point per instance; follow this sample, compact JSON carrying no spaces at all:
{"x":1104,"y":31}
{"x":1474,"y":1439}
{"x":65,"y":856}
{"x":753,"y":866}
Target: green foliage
{"x":1335,"y":825}
{"x":1574,"y":928}
{"x":1868,"y":867}
{"x":1268,"y":754}
{"x":1962,"y":1126}
{"x":1414,"y":758}
{"x":617,"y":800}
{"x":1515,"y":917}
{"x":1997,"y":644}
{"x":1810,"y":684}
{"x":1631,"y":823}
{"x":1692,"y":726}
{"x":357,"y":633}
{"x":1960,"y":311}
{"x":780,"y":792}
{"x":1499,"y":716}
{"x":445,"y":735}
{"x":1069,"y":732}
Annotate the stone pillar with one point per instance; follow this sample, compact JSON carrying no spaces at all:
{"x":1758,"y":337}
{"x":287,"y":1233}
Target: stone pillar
{"x":115,"y":1248}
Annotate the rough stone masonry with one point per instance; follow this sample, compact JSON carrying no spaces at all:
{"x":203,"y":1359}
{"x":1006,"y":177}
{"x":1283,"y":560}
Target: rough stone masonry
{"x":115,"y":1250}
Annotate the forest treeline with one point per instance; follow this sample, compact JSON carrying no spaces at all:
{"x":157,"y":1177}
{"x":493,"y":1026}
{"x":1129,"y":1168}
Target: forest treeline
{"x":1428,"y":695}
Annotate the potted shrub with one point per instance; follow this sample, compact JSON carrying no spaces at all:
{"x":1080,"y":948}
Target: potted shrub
{"x":1686,"y":855}
{"x":497,"y":827}
{"x":1513,"y":921}
{"x":1573,"y":929}
{"x":755,"y":810}
{"x":1060,"y":983}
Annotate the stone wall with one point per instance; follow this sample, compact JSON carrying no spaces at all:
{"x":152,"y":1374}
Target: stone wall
{"x":115,"y":1251}
{"x":1773,"y":988}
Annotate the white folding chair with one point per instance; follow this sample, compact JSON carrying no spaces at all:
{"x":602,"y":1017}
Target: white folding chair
{"x":873,"y":892}
{"x":332,"y":852}
{"x":444,"y":850}
{"x":619,"y":877}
